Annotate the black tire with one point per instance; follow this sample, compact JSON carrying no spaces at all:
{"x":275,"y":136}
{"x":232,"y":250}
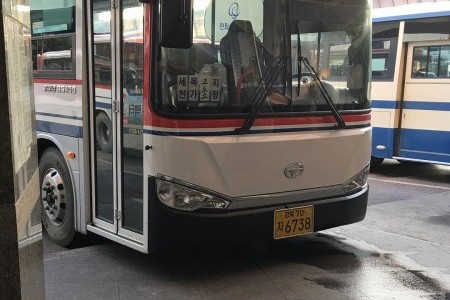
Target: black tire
{"x":103,"y":131}
{"x":410,"y":162}
{"x":375,"y":162}
{"x":57,"y":199}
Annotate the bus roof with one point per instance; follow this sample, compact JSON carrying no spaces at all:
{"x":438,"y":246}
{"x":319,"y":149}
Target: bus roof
{"x":411,"y":11}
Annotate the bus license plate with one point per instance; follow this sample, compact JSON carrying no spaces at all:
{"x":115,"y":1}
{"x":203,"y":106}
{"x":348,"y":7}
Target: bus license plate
{"x":293,"y":221}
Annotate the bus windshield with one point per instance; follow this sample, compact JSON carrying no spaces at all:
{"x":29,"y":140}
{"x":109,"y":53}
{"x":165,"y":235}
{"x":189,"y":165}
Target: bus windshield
{"x":251,"y":51}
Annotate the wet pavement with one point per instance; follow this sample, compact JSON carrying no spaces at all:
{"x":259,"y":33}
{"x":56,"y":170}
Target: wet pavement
{"x":323,"y":266}
{"x":400,"y":251}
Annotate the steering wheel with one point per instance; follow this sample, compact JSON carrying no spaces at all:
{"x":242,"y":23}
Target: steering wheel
{"x":306,"y":78}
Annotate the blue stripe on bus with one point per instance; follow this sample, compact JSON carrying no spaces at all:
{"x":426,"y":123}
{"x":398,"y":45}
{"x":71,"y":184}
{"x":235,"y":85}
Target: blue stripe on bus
{"x":58,"y":116}
{"x":58,"y":128}
{"x":419,"y":105}
{"x":384,"y":104}
{"x":103,"y":105}
{"x":426,"y":105}
{"x":411,"y":16}
{"x":427,"y":145}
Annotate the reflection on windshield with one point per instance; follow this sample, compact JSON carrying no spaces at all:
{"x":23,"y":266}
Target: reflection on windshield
{"x":235,"y":58}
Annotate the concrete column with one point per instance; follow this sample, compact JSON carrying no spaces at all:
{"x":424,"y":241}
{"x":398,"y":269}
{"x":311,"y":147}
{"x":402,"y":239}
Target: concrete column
{"x":21,"y":254}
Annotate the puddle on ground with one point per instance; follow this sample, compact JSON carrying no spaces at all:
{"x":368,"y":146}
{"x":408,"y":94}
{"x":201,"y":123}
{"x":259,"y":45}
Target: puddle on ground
{"x":440,"y":220}
{"x":344,"y":268}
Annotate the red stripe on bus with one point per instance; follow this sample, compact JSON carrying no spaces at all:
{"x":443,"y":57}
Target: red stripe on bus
{"x":148,"y":26}
{"x":103,"y":86}
{"x":162,"y":122}
{"x":58,"y":81}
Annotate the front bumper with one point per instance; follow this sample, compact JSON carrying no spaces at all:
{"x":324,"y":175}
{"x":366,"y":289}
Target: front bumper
{"x":167,"y":225}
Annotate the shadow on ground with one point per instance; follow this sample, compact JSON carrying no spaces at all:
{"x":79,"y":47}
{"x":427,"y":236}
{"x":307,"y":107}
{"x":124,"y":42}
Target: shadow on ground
{"x":320,"y":266}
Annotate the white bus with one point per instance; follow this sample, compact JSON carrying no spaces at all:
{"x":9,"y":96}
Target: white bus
{"x":203,"y":120}
{"x":411,"y":83}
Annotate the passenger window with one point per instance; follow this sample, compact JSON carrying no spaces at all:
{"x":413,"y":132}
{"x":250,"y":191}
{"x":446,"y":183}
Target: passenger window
{"x":431,"y":62}
{"x":52,"y":17}
{"x":384,"y":50}
{"x":381,"y":52}
{"x":53,"y":57}
{"x":53,"y":38}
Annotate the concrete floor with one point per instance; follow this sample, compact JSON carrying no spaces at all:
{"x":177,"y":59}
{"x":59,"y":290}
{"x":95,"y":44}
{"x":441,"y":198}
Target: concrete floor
{"x":400,"y":251}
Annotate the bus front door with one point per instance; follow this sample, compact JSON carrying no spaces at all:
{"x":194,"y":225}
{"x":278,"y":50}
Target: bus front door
{"x":116,"y":62}
{"x":424,"y":132}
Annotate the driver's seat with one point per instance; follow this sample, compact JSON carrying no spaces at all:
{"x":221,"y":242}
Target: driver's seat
{"x":239,"y":55}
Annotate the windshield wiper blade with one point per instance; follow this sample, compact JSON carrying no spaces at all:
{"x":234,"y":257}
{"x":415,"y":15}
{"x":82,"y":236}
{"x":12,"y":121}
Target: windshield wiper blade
{"x":340,"y":121}
{"x":260,"y":95}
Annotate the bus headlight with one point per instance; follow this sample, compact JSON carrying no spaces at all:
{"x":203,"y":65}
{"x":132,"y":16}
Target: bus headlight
{"x":357,"y":182}
{"x":188,"y":199}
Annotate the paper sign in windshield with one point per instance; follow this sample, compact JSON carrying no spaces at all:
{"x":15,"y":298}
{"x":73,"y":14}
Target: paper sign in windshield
{"x":193,"y":88}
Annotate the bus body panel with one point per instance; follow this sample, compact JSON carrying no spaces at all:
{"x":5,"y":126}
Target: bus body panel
{"x":413,"y":11}
{"x":59,"y":120}
{"x":59,"y":98}
{"x":383,"y":133}
{"x":59,"y":104}
{"x":384,"y":117}
{"x":244,"y":225}
{"x":261,"y":160}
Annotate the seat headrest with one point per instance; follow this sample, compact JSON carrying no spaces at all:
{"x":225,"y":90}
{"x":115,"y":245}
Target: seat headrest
{"x":241,"y":26}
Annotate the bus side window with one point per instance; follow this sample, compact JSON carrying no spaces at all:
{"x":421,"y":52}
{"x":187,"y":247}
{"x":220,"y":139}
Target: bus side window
{"x":431,"y":61}
{"x":53,"y":38}
{"x":53,"y":56}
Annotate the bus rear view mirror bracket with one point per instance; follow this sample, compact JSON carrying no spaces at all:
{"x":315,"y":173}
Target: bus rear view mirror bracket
{"x":176,"y":23}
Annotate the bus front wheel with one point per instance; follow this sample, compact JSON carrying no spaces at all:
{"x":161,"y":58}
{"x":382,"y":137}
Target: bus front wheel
{"x":103,"y":132}
{"x":375,"y":162}
{"x":57,"y":200}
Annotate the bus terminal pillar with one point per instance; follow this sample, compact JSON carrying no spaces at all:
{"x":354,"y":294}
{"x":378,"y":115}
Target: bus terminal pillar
{"x":21,"y":246}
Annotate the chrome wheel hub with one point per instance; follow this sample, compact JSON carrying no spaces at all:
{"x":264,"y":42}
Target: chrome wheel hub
{"x":54,"y":196}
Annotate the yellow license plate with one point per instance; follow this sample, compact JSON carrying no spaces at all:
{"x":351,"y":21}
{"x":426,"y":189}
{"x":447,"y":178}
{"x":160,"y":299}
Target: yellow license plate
{"x":293,"y":221}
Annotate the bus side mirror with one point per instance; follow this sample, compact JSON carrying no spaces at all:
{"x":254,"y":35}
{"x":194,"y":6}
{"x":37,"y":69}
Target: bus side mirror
{"x":176,"y":23}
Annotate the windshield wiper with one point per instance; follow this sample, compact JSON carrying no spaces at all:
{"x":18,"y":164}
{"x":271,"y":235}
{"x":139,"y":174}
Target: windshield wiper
{"x":323,"y":91}
{"x":260,"y":94}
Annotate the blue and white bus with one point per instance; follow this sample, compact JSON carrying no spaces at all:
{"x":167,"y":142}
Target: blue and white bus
{"x":411,"y":83}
